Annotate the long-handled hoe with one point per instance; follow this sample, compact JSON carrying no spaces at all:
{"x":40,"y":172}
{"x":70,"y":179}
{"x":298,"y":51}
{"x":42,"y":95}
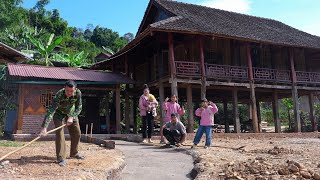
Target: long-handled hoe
{"x":35,"y":139}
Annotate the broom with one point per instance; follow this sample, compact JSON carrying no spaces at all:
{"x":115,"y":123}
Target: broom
{"x":35,"y":139}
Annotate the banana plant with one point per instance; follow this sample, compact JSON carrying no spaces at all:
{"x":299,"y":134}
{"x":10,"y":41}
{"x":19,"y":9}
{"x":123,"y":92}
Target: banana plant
{"x":73,"y":60}
{"x":45,"y":51}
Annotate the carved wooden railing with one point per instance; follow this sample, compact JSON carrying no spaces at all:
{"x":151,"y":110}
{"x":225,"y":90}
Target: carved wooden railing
{"x":188,"y":69}
{"x":265,"y":74}
{"x":307,"y":77}
{"x":226,"y":72}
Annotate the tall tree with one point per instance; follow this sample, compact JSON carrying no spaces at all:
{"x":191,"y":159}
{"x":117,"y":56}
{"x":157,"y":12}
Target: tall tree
{"x":104,"y":37}
{"x":128,"y":36}
{"x":39,"y":7}
{"x":9,"y":12}
{"x":88,"y":32}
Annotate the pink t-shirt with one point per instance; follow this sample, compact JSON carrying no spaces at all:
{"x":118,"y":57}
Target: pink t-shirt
{"x":207,"y":115}
{"x":170,"y":108}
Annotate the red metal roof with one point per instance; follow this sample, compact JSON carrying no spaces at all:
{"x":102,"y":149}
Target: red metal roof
{"x":63,"y":73}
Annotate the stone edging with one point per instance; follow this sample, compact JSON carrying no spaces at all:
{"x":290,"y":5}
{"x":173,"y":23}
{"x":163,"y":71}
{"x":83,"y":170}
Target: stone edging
{"x":115,"y":173}
{"x":99,"y":142}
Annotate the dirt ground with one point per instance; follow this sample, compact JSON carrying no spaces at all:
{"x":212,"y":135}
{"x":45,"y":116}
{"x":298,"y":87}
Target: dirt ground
{"x":39,"y":162}
{"x":232,"y":156}
{"x":273,"y":156}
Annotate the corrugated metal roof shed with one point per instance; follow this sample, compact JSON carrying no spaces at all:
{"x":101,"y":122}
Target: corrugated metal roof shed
{"x":63,"y":73}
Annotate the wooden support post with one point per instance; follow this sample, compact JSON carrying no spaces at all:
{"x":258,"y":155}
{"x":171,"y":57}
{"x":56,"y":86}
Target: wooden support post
{"x":131,"y":110}
{"x":107,"y":112}
{"x":91,"y":130}
{"x":250,"y":111}
{"x":312,"y":113}
{"x":135,"y":124}
{"x":118,"y":113}
{"x":293,"y":72}
{"x":296,"y":112}
{"x":225,"y":110}
{"x":297,"y":124}
{"x":190,"y":128}
{"x":252,"y":93}
{"x":174,"y":83}
{"x":161,"y":98}
{"x":259,"y":116}
{"x":203,"y":69}
{"x":86,"y":129}
{"x":275,"y":109}
{"x":127,"y":110}
{"x":20,"y":109}
{"x":203,"y":89}
{"x":236,"y":120}
{"x":174,"y":87}
{"x":171,"y":54}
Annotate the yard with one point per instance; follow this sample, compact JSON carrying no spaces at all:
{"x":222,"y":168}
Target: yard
{"x":38,"y":161}
{"x":232,"y":156}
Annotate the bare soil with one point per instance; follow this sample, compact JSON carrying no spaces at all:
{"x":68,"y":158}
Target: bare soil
{"x":232,"y":156}
{"x":268,"y":156}
{"x":39,"y":162}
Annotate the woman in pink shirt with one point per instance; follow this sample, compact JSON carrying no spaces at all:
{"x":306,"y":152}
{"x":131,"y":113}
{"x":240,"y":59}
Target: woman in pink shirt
{"x":206,"y":112}
{"x":171,"y":107}
{"x":147,"y":109}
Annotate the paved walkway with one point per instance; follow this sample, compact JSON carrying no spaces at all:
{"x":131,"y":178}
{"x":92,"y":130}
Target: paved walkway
{"x":146,"y":162}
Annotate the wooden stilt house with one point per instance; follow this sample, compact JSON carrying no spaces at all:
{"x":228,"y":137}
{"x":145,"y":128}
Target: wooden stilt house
{"x":195,"y":51}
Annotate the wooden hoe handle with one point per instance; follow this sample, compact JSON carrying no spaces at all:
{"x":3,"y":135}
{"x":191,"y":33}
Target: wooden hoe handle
{"x":35,"y":139}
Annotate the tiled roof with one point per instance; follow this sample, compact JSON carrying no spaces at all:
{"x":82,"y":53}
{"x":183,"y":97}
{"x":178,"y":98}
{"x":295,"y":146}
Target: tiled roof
{"x":62,"y":73}
{"x":190,"y":18}
{"x":201,"y":19}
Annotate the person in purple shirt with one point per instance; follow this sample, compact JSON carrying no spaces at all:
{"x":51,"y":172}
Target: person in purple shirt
{"x":206,"y":112}
{"x":171,"y":107}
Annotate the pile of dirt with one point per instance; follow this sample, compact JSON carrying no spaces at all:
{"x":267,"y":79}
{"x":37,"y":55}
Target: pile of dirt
{"x":262,"y":157}
{"x":276,"y":150}
{"x":260,"y":168}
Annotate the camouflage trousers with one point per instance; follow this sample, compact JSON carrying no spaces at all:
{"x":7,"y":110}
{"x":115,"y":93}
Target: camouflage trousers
{"x":74,"y":132}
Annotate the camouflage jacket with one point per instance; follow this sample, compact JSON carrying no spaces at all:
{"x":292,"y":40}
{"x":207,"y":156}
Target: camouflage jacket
{"x":63,"y":107}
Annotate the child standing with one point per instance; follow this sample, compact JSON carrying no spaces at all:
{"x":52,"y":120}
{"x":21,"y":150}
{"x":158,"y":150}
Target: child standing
{"x":171,"y":107}
{"x":206,"y":112}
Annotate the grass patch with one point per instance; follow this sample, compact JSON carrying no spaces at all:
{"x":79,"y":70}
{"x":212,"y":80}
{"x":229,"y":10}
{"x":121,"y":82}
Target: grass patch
{"x":5,"y":143}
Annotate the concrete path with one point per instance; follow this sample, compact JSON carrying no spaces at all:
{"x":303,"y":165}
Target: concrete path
{"x":145,"y":162}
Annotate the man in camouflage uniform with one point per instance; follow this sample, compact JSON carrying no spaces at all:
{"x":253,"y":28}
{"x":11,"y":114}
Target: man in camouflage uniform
{"x":66,"y":107}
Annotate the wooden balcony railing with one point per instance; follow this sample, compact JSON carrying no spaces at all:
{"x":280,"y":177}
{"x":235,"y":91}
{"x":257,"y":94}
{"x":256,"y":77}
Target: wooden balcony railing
{"x":226,"y":72}
{"x":265,"y":74}
{"x":307,"y":77}
{"x":188,"y":69}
